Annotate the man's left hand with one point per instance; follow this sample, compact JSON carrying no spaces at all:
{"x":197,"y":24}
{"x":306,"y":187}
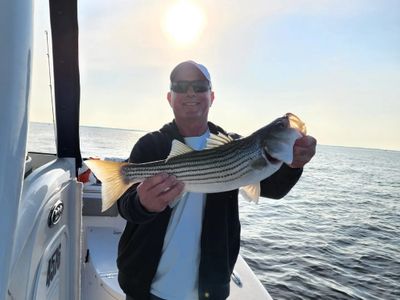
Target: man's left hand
{"x":303,"y":151}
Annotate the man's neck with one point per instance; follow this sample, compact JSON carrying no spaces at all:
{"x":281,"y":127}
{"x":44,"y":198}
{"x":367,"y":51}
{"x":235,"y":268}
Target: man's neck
{"x":187,"y":129}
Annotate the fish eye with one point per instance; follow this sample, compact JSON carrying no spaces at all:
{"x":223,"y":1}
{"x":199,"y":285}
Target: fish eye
{"x":281,"y":124}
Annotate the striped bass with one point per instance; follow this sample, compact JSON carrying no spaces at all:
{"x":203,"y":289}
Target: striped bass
{"x":225,"y":164}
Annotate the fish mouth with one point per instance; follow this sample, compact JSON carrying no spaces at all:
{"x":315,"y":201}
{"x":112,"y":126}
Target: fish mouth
{"x":278,"y":145}
{"x":296,"y":123}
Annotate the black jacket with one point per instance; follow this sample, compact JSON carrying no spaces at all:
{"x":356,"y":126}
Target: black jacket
{"x":140,"y":246}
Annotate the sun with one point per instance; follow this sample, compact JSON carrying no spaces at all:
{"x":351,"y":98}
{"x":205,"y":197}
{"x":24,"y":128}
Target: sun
{"x":184,"y":22}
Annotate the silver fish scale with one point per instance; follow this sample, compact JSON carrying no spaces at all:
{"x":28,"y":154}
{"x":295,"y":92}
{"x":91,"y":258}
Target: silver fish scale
{"x":229,"y":162}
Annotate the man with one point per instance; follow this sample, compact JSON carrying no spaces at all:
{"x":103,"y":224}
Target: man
{"x":178,"y":247}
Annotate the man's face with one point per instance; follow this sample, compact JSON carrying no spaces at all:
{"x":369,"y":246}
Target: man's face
{"x":190,"y":106}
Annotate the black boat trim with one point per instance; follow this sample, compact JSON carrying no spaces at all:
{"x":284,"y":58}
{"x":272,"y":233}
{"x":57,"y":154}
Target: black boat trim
{"x":64,"y":30}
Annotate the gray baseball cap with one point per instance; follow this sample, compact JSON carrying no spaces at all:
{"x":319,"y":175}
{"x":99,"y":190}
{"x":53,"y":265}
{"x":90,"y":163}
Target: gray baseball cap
{"x":200,"y":67}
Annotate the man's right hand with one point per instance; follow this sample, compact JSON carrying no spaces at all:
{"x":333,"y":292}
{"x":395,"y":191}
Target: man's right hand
{"x":157,"y":192}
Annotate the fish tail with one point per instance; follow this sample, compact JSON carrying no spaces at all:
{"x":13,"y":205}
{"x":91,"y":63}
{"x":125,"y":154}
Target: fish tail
{"x":113,"y":183}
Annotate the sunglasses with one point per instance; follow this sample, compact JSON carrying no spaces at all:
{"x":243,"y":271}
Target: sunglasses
{"x":198,"y":86}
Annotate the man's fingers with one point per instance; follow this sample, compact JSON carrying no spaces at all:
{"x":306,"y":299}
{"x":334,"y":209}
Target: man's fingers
{"x":303,"y":151}
{"x":166,"y":185}
{"x":156,"y":192}
{"x":306,"y":141}
{"x":151,"y":182}
{"x":172,"y":193}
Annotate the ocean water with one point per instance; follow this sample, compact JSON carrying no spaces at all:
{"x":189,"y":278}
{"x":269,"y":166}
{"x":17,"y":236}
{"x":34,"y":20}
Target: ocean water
{"x":336,"y":235}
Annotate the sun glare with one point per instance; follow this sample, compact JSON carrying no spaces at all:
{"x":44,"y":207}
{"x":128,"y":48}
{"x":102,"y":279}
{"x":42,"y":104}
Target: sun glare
{"x":184,"y":22}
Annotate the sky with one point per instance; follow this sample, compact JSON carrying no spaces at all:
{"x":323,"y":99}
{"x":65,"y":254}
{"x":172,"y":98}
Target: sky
{"x":333,"y":63}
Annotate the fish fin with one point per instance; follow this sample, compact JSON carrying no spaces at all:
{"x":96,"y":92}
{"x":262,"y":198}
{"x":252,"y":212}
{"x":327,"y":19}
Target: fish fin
{"x":178,"y":148}
{"x":113,"y":184}
{"x":251,"y":192}
{"x":215,"y":140}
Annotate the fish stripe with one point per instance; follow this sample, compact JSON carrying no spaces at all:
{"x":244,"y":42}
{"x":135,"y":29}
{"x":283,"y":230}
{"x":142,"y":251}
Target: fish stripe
{"x":160,"y":166}
{"x":200,"y":171}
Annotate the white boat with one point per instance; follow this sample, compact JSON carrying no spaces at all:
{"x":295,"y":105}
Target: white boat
{"x":55,"y":242}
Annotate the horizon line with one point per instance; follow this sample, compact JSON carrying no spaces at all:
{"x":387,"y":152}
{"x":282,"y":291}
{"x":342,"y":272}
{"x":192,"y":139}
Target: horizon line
{"x":141,"y":130}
